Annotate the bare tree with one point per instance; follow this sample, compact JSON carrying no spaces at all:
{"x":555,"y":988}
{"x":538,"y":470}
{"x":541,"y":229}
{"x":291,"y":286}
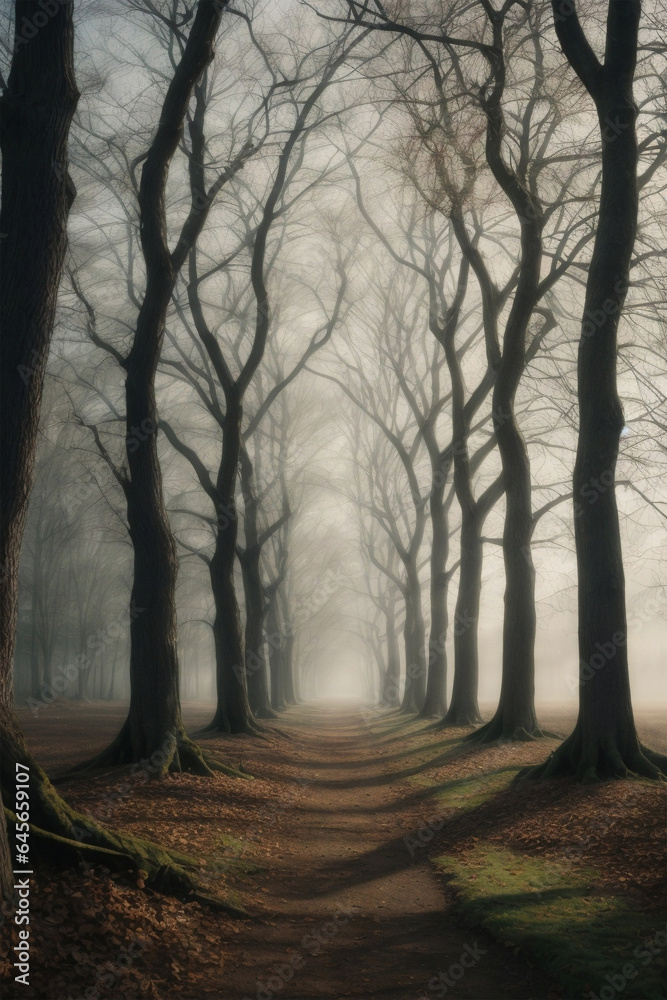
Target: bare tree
{"x":235,"y":675}
{"x":38,"y":102}
{"x":380,"y":586}
{"x":467,"y":56}
{"x":154,"y":718}
{"x":400,"y":439}
{"x":604,"y":742}
{"x":40,"y":99}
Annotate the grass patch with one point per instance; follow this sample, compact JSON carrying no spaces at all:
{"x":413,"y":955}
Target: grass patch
{"x":585,"y":939}
{"x":468,"y":793}
{"x":232,"y":855}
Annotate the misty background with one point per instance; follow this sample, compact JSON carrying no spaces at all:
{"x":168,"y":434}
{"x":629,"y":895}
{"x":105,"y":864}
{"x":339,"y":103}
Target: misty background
{"x":316,"y":453}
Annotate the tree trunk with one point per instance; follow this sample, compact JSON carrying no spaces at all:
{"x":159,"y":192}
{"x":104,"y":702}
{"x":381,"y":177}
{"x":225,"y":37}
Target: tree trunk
{"x":255,"y":602}
{"x":47,"y":673}
{"x":82,"y":678}
{"x":289,"y":682}
{"x":297,"y":674}
{"x":255,"y":658}
{"x":112,"y":681}
{"x":36,"y":110}
{"x":154,"y":726}
{"x":390,"y":694}
{"x":435,"y":703}
{"x":277,"y":646}
{"x":415,"y":639}
{"x":232,"y":714}
{"x":463,"y":708}
{"x":154,"y":713}
{"x":35,"y":666}
{"x":288,"y":671}
{"x":604,"y":743}
{"x":515,"y":717}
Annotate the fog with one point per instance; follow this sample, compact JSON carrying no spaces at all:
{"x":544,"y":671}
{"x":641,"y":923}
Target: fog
{"x":341,"y":467}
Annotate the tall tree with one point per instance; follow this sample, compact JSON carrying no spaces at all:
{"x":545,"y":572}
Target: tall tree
{"x":232,"y":712}
{"x":38,"y":103}
{"x":262,"y":702}
{"x":379,"y":397}
{"x":36,"y":109}
{"x":241,"y":680}
{"x":384,"y":594}
{"x":478,"y":88}
{"x":154,"y":722}
{"x":604,"y":743}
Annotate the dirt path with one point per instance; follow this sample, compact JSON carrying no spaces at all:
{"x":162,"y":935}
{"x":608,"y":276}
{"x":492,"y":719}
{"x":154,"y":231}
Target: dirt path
{"x":347,"y":910}
{"x":340,"y":906}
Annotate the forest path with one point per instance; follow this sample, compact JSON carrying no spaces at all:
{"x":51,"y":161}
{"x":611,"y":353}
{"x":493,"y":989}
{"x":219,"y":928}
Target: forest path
{"x":359,"y":914}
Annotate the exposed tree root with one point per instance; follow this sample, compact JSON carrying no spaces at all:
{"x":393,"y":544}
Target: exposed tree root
{"x":495,"y":731}
{"x":265,"y":713}
{"x":62,"y":834}
{"x":458,"y":719}
{"x":601,"y":759}
{"x":177,"y":753}
{"x":432,"y":712}
{"x":220,"y":723}
{"x":157,"y":868}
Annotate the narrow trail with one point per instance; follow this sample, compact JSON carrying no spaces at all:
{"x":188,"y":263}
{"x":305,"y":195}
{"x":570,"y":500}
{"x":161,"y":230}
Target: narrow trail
{"x":347,"y":910}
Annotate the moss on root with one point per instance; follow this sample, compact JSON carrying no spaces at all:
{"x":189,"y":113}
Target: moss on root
{"x":496,"y":731}
{"x":60,"y":834}
{"x":590,"y":761}
{"x":221,"y":724}
{"x":176,"y":754}
{"x":72,"y":837}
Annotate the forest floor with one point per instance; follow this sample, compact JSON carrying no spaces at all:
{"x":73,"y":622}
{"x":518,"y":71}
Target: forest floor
{"x":375,"y":857}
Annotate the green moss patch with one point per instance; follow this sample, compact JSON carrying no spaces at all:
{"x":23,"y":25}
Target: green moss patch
{"x":591,"y":942}
{"x":468,"y":793}
{"x":232,"y":855}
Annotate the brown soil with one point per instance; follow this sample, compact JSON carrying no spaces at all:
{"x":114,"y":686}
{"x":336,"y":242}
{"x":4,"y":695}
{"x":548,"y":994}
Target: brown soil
{"x":340,"y":906}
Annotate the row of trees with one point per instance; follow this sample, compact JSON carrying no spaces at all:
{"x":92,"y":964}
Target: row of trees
{"x":268,"y":229}
{"x":495,"y":193}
